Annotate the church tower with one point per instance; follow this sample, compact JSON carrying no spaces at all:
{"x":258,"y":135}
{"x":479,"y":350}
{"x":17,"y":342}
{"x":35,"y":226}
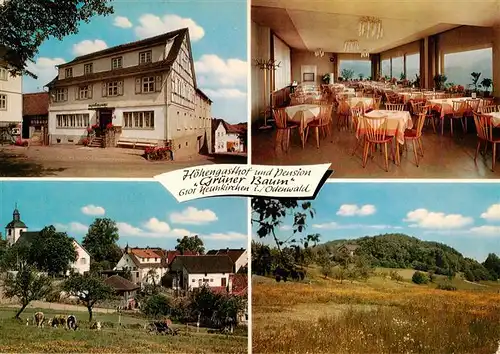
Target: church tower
{"x":14,"y":228}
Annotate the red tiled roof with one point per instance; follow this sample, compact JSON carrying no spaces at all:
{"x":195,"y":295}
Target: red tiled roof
{"x":230,"y":128}
{"x":144,"y":253}
{"x":36,"y":104}
{"x":170,"y":255}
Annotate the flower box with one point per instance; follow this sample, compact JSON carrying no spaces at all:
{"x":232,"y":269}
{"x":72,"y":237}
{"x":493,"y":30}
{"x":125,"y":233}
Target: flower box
{"x":158,"y":153}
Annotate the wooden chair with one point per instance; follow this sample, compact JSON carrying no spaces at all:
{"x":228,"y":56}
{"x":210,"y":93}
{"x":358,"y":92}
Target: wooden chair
{"x":488,"y":109}
{"x":377,"y":100}
{"x":343,"y":112}
{"x":322,"y":122}
{"x":459,"y":109}
{"x":429,"y":115}
{"x":394,"y":106}
{"x":484,"y":129}
{"x":415,"y":136}
{"x":490,"y":101}
{"x":376,"y":134}
{"x":284,"y":127}
{"x":356,"y":113}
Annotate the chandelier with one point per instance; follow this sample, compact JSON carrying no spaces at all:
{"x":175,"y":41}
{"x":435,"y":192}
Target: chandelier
{"x":365,"y":54}
{"x":319,"y":53}
{"x":351,"y":45}
{"x":371,"y":27}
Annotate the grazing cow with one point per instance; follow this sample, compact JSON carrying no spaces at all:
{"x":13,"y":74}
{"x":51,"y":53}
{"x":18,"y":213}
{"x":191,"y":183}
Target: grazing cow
{"x":58,"y":321}
{"x":38,"y":319}
{"x":96,"y":326}
{"x":71,"y":322}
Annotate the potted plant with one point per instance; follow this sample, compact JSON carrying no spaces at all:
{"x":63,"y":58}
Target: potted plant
{"x":439,"y":80}
{"x":475,"y":80}
{"x":361,"y":76}
{"x":487,"y":83}
{"x":326,"y":78}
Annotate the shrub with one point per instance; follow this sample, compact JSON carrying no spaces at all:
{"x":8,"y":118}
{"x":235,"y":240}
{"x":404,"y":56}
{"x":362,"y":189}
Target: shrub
{"x":420,"y":278}
{"x":158,"y":153}
{"x":396,"y":276}
{"x":447,"y":287}
{"x":156,"y":306}
{"x":54,"y":296}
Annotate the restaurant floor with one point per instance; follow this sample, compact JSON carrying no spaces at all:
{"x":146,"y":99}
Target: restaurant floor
{"x":444,"y":156}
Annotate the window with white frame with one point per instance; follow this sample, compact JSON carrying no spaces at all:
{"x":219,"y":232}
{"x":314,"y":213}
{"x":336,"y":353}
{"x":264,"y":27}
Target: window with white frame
{"x":3,"y":102}
{"x":4,"y":74}
{"x":116,"y":63}
{"x":73,"y":120}
{"x":148,"y":84}
{"x":84,"y":92}
{"x":139,"y":120}
{"x":83,"y":261}
{"x":145,"y":57}
{"x":68,"y":72}
{"x":112,"y":88}
{"x":88,"y":68}
{"x":61,"y":95}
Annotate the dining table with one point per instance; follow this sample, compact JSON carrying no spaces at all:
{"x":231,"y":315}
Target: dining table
{"x":445,"y":105}
{"x":303,"y":114}
{"x":495,"y":118}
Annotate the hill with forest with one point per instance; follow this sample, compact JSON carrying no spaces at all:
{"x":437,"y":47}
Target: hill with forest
{"x":403,"y":251}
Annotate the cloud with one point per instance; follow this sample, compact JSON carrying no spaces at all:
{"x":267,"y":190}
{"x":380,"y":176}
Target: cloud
{"x":327,"y":226}
{"x":122,"y":22}
{"x":45,"y":69}
{"x":225,"y":93}
{"x":228,"y":236}
{"x":152,"y":228}
{"x":88,"y":46}
{"x":486,"y":230}
{"x":212,"y":70}
{"x":285,"y":227}
{"x":354,"y":210}
{"x":75,"y":227}
{"x":152,"y":25}
{"x":493,"y":213}
{"x":193,"y":216}
{"x":423,"y":218}
{"x":93,"y":210}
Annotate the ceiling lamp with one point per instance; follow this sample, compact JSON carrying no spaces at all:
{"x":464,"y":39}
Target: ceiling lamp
{"x":319,"y":53}
{"x":365,"y":54}
{"x":351,"y":45}
{"x":371,"y":27}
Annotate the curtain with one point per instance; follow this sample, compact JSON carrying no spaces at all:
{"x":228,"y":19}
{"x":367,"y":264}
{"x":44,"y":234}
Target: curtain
{"x":283,"y":74}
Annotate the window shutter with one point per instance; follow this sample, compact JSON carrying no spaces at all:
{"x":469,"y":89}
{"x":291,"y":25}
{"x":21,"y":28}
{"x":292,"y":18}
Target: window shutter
{"x":91,"y":90}
{"x":104,"y":89}
{"x":120,"y":88}
{"x":158,"y":83}
{"x":138,"y":85}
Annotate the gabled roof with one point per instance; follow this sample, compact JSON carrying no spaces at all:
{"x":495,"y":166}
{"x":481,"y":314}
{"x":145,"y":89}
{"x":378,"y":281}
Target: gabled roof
{"x":28,"y":237}
{"x":170,"y":255}
{"x":145,"y":253}
{"x":203,"y":95}
{"x":230,"y":128}
{"x":119,"y":283}
{"x":233,"y":253}
{"x":349,"y":247}
{"x":203,"y":264}
{"x":35,"y":104}
{"x":135,"y":46}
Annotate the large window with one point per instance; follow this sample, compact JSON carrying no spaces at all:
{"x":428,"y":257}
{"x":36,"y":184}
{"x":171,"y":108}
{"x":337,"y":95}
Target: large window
{"x":139,"y":120}
{"x":3,"y":102}
{"x":61,"y":95}
{"x":112,"y":88}
{"x":145,"y":57}
{"x":412,"y":66}
{"x":116,"y":63}
{"x":357,"y":69}
{"x":4,"y":74}
{"x":397,"y":67}
{"x":459,"y":66}
{"x":73,"y":120}
{"x":84,"y":92}
{"x":386,"y":68}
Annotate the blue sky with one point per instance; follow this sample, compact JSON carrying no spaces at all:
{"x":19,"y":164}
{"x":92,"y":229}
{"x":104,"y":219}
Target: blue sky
{"x":218,"y":32}
{"x":146,"y":213}
{"x":464,"y":216}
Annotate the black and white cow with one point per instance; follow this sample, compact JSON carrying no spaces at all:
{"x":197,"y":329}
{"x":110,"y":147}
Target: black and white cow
{"x":38,"y":319}
{"x":71,"y":322}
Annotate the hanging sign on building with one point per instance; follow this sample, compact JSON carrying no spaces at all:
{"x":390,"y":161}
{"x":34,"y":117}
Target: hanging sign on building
{"x":97,"y":105}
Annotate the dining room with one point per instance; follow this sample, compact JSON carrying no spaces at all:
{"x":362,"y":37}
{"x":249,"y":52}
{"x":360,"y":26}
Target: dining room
{"x":381,"y":89}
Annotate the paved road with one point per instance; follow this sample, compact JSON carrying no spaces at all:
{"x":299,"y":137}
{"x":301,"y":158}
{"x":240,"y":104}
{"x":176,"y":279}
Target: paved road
{"x":71,"y":161}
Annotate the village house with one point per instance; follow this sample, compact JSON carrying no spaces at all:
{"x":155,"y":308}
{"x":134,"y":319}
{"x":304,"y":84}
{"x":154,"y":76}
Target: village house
{"x":36,"y":118}
{"x":239,"y":257}
{"x":227,"y":137}
{"x":11,"y":105}
{"x":17,"y":231}
{"x":138,"y":94}
{"x":193,"y":272}
{"x":347,"y":249}
{"x":123,"y":288}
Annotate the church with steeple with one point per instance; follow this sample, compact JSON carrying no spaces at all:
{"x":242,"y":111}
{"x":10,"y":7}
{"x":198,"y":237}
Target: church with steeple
{"x":17,"y":231}
{"x":15,"y":228}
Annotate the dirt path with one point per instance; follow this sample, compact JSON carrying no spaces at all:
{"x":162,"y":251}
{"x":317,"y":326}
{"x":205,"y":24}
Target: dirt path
{"x":62,"y":307}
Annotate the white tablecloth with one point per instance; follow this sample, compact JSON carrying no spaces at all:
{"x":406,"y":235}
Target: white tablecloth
{"x":367,"y":101}
{"x":397,"y":122}
{"x":495,"y":118}
{"x":309,"y":113}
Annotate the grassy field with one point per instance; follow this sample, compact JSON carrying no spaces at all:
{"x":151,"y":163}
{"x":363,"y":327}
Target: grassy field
{"x":378,"y":316}
{"x":130,"y":338}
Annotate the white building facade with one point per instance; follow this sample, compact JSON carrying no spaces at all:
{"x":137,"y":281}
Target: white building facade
{"x":11,"y":98}
{"x":227,"y":140}
{"x":145,"y":266}
{"x":147,"y":90}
